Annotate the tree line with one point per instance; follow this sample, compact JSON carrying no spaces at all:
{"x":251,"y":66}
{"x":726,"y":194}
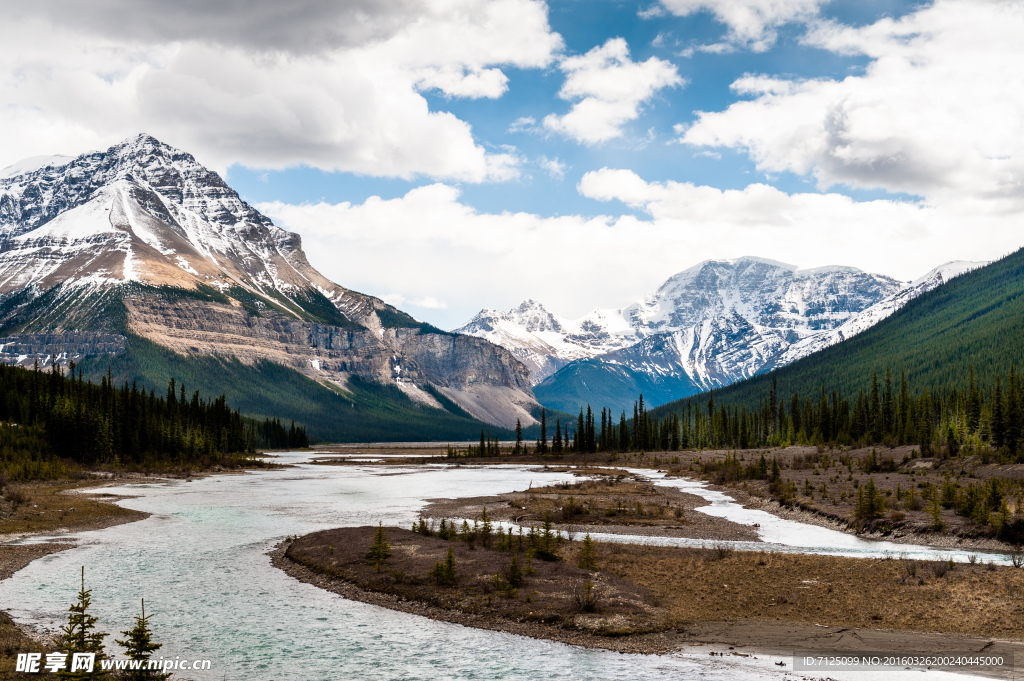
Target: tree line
{"x":884,"y":411}
{"x":52,"y":418}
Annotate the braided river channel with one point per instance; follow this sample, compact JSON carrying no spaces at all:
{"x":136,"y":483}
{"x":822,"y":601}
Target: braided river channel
{"x":200,"y":561}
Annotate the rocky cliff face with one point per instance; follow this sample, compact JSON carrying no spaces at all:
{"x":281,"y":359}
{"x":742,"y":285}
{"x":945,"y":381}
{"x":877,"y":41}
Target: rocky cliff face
{"x":143,"y":239}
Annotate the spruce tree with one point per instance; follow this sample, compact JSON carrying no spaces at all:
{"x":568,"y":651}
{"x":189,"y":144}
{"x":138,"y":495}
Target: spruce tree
{"x":138,"y":645}
{"x":380,"y":550}
{"x":588,"y":557}
{"x":486,"y":529}
{"x":79,"y":635}
{"x":519,"y":437}
{"x":444,"y":574}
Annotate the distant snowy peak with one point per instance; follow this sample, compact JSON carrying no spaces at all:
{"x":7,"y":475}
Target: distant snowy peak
{"x":538,"y":338}
{"x":714,"y":323}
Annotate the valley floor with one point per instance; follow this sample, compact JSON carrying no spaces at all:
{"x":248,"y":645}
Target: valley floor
{"x":824,"y":487}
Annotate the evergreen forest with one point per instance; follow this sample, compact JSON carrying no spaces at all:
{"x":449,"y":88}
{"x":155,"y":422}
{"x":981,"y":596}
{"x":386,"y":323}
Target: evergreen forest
{"x":54,"y":422}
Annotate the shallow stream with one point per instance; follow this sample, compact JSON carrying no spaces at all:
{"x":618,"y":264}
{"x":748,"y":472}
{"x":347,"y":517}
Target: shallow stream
{"x":200,"y":562}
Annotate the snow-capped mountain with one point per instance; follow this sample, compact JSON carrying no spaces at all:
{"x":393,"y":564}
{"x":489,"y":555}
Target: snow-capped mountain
{"x":717,"y":321}
{"x":876,"y":313}
{"x":545,"y":342}
{"x":713,"y":324}
{"x":146,"y":229}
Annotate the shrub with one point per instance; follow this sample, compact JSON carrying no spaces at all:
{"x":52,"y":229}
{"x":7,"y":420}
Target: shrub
{"x":721,"y":551}
{"x":585,"y":597}
{"x":940,"y":568}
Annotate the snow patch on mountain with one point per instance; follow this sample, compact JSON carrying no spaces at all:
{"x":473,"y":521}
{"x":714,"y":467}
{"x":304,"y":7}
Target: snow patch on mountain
{"x":877,"y":312}
{"x":34,"y":163}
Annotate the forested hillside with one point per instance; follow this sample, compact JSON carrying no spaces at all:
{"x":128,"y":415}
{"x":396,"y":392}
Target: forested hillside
{"x":976,"y":319}
{"x":49,"y":420}
{"x":363,"y":412}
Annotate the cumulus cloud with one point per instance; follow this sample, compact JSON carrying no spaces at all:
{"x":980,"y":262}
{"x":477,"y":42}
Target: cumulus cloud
{"x":430,"y":244}
{"x":610,"y":89}
{"x":334,"y":85}
{"x":751,"y":23}
{"x":937,"y":112}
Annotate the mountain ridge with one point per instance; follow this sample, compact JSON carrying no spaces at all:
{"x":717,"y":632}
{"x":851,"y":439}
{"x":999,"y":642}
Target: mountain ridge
{"x":141,"y":239}
{"x":710,"y":325}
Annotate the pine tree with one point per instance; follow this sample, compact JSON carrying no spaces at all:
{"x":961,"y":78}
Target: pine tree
{"x":486,"y":528}
{"x":79,"y":635}
{"x":543,"y":432}
{"x":514,"y":574}
{"x":547,"y":549}
{"x":588,"y":556}
{"x":556,"y":441}
{"x":519,"y":437}
{"x":444,"y":574}
{"x":138,"y":645}
{"x":380,"y":550}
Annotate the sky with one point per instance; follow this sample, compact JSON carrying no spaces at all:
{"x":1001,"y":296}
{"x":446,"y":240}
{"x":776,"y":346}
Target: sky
{"x":453,"y":155}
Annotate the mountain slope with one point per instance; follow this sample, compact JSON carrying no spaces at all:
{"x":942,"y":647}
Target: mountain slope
{"x":710,"y":325}
{"x":142,"y":240}
{"x":976,"y":319}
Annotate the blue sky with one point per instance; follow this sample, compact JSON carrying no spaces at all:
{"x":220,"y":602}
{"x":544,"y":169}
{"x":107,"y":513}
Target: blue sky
{"x":450,"y":156}
{"x":644,"y":146}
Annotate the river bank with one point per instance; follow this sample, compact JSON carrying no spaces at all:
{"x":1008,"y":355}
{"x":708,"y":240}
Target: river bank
{"x":38,"y":509}
{"x":47,"y":508}
{"x":819,"y":486}
{"x":691,"y":600}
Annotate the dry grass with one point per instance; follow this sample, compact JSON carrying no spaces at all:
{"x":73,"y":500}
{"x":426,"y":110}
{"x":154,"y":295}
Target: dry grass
{"x":46,"y":508}
{"x":612,"y":500}
{"x":695,"y":585}
{"x":555,"y":593}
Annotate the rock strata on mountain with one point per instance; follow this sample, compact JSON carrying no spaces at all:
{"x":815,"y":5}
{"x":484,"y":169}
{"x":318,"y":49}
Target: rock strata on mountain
{"x":142,"y":239}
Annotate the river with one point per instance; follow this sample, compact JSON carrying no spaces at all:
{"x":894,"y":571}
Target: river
{"x":200,"y":562}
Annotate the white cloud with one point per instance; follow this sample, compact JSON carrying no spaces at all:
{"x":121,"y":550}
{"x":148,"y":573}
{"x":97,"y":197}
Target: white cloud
{"x":937,"y":112}
{"x":429,"y":244}
{"x":429,"y":302}
{"x":751,"y":23}
{"x":523,"y":124}
{"x":610,"y":88}
{"x":333,"y":85}
{"x":553,"y":167}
